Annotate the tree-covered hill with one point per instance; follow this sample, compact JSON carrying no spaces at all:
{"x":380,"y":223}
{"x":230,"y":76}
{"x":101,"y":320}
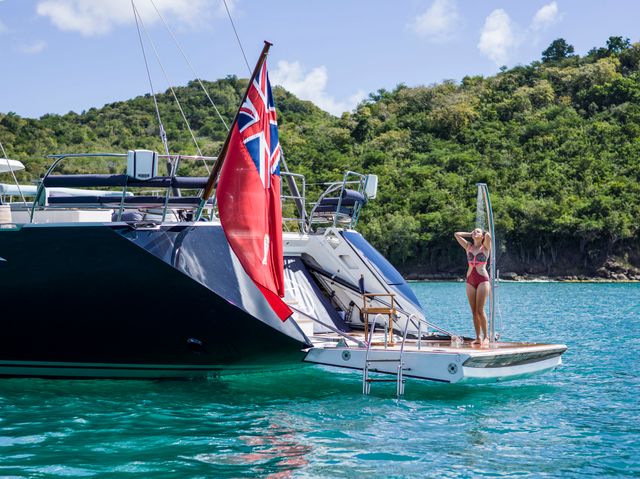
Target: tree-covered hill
{"x":557,"y":141}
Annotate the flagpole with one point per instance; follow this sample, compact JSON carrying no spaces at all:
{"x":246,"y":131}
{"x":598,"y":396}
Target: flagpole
{"x":217,"y":166}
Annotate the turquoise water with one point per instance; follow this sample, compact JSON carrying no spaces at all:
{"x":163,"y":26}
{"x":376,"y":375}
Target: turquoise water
{"x":580,"y":421}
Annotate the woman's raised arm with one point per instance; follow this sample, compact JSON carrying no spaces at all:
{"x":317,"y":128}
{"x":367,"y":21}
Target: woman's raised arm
{"x":459,"y":237}
{"x":486,"y":241}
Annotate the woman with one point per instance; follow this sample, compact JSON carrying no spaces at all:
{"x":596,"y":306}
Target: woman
{"x":478,"y":286}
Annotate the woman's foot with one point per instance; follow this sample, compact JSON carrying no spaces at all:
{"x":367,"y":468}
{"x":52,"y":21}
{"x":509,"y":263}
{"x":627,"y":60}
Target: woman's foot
{"x":476,"y":341}
{"x":486,"y":343}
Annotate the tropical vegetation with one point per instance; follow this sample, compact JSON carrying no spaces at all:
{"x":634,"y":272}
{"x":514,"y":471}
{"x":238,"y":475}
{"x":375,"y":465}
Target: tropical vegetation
{"x":557,"y":141}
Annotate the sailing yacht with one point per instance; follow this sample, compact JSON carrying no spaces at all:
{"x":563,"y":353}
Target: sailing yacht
{"x":149,"y":275}
{"x":106,"y":279}
{"x":122,"y":284}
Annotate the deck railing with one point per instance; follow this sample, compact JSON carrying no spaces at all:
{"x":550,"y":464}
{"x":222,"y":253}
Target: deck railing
{"x":41,"y":197}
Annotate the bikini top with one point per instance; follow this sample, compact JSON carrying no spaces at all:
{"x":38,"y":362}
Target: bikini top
{"x":478,"y":259}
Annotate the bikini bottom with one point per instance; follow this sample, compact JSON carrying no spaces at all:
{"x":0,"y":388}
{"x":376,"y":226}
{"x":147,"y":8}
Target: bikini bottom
{"x":475,"y":278}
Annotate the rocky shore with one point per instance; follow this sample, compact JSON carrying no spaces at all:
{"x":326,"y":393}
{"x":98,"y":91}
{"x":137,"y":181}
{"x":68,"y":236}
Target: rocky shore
{"x":611,"y":270}
{"x":527,"y":278}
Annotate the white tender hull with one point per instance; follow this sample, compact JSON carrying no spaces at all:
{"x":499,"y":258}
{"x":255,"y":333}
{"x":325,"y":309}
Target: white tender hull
{"x":464,"y":364}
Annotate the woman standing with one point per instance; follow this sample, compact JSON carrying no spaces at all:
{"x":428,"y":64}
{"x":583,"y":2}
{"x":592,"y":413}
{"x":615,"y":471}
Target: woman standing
{"x":478,"y":285}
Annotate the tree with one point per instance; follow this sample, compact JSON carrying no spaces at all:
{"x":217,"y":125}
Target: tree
{"x":558,"y":50}
{"x":557,"y":142}
{"x":618,"y":44}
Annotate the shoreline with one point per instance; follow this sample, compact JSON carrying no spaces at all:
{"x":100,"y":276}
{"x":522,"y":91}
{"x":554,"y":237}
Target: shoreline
{"x":415,"y":278}
{"x":547,"y":280}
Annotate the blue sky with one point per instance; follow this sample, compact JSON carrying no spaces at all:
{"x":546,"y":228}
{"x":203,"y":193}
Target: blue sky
{"x":70,"y":55}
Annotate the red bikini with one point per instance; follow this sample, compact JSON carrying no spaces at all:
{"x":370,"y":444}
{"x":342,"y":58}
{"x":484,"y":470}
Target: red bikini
{"x":478,"y":259}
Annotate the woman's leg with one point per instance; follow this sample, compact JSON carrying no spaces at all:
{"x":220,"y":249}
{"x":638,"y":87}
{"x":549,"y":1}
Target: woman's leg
{"x":481,"y":298}
{"x":471,"y":296}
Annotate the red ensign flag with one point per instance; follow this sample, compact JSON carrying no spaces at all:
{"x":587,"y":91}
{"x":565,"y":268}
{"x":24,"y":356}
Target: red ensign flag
{"x":248,"y":193}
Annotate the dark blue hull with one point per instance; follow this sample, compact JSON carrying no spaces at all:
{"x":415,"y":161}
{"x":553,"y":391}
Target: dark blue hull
{"x":116,"y":301}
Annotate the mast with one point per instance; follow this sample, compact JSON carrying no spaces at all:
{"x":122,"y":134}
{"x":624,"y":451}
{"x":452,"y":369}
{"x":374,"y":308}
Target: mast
{"x":217,"y":166}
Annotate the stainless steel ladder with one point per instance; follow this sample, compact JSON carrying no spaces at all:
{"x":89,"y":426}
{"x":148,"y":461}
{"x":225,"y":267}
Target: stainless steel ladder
{"x":401,"y":367}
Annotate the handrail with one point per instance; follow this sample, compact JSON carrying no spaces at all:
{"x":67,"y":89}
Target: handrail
{"x":40,"y":190}
{"x":58,"y":158}
{"x":333,"y":187}
{"x":437,"y":328}
{"x":95,"y":155}
{"x":419,"y":319}
{"x":332,"y":328}
{"x":329,"y":183}
{"x":300,"y":199}
{"x":404,"y":336}
{"x":400,"y":309}
{"x":61,"y":156}
{"x":365,"y":366}
{"x":342,"y":188}
{"x":373,"y":329}
{"x":400,"y":378}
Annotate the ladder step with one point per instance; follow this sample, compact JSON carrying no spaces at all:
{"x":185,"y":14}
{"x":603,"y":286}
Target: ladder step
{"x":383,"y":360}
{"x":374,"y":370}
{"x":371,"y":380}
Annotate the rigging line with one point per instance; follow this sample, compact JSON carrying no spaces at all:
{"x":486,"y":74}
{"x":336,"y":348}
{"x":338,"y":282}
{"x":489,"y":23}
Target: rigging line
{"x":233,"y":25}
{"x":13,"y":173}
{"x":190,"y":65}
{"x":163,"y":134}
{"x":175,"y":97}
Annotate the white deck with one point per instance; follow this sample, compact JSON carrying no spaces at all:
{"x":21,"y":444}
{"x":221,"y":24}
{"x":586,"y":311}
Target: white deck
{"x":441,"y":361}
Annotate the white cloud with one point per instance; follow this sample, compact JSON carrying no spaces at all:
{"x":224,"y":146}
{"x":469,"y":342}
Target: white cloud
{"x":497,"y":37}
{"x":312,"y":86}
{"x":33,"y":48}
{"x":3,"y":28}
{"x":222,"y":11}
{"x":546,"y":16}
{"x":98,"y":17}
{"x":438,"y":22}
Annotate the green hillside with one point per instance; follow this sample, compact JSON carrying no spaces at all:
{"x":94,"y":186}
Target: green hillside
{"x":558,"y":142}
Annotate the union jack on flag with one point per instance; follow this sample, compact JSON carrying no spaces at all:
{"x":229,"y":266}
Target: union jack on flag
{"x":258,"y":126}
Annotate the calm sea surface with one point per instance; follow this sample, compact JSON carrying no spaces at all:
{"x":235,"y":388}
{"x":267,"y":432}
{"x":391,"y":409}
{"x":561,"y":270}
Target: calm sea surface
{"x":580,"y":421}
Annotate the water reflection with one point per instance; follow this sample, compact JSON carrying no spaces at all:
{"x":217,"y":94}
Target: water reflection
{"x":272,"y":452}
{"x":279,"y":448}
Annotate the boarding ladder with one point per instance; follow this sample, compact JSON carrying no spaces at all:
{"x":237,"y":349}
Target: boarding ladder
{"x":369,"y":363}
{"x":399,"y":361}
